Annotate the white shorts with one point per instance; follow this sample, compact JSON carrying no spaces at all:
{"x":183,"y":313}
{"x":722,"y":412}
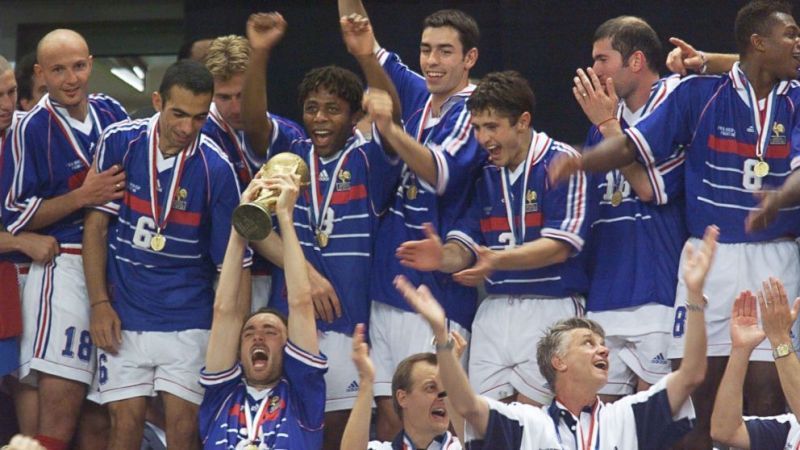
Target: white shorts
{"x":261,"y":285}
{"x":55,"y":316}
{"x":637,"y":339}
{"x":395,"y":335}
{"x":506,"y":331}
{"x":737,"y":267}
{"x":152,"y":361}
{"x":341,"y":379}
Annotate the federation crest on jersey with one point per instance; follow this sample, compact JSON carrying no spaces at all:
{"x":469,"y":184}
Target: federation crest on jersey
{"x":531,"y":204}
{"x":778,"y":134}
{"x":344,"y":181}
{"x":180,"y":199}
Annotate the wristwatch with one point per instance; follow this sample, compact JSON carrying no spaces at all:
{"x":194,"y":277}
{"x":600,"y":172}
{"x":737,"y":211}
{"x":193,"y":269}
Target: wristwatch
{"x":782,"y":350}
{"x":697,"y":307}
{"x":446,"y":346}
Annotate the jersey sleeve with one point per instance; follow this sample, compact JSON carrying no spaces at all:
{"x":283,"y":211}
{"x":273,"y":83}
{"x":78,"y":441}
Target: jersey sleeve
{"x":22,"y":200}
{"x":650,"y":412}
{"x":224,"y":199}
{"x":109,"y":152}
{"x":218,"y":386}
{"x":456,"y":154}
{"x":794,"y":151}
{"x":284,"y":132}
{"x":306,"y":374}
{"x":467,"y":228}
{"x":565,"y":206}
{"x":670,"y":125}
{"x":770,"y":432}
{"x":384,"y":173}
{"x":411,"y":87}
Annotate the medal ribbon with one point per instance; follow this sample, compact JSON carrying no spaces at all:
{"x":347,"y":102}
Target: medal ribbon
{"x":519,"y":234}
{"x":426,"y":111}
{"x":587,"y":444}
{"x":66,"y":129}
{"x":161,"y":216}
{"x":763,"y":124}
{"x":252,"y":422}
{"x":244,"y":173}
{"x":319,"y":213}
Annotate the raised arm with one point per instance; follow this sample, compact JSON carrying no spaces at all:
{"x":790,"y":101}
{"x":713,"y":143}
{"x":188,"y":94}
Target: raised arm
{"x":302,"y":325}
{"x":264,"y":31}
{"x":226,"y":326}
{"x":692,"y":371}
{"x":430,"y":254}
{"x":464,"y":400}
{"x":727,"y":425}
{"x":350,"y":7}
{"x":356,"y":433}
{"x":684,"y":57}
{"x":611,"y":153}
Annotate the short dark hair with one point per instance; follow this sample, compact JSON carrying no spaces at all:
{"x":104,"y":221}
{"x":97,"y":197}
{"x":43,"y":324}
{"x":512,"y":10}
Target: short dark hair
{"x":188,"y":74}
{"x":757,"y":17}
{"x":463,"y":23}
{"x":629,"y":34}
{"x":267,"y":310}
{"x":554,"y":343}
{"x":507,"y":93}
{"x":402,"y":376}
{"x":24,"y":75}
{"x":336,"y":80}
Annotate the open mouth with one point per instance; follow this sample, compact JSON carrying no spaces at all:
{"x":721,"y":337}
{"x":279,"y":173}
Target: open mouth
{"x":322,"y":137}
{"x":439,"y":412}
{"x":434,"y":75}
{"x":259,"y":357}
{"x":602,"y":365}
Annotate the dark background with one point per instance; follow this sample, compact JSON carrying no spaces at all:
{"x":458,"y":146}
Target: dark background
{"x":544,"y":40}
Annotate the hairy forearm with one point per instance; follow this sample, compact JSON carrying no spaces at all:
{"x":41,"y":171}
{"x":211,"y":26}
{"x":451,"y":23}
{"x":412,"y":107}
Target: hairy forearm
{"x":95,"y":255}
{"x":542,"y":252}
{"x":455,"y":257}
{"x":727,"y":416}
{"x":54,"y":209}
{"x":356,"y":432}
{"x":418,"y":158}
{"x":254,"y":102}
{"x":614,"y":152}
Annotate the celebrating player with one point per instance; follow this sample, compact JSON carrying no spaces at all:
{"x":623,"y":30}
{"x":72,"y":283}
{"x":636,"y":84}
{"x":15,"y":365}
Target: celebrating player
{"x":442,"y":160}
{"x":520,"y":235}
{"x":151,"y":314}
{"x":51,"y":184}
{"x":640,"y":212}
{"x":736,"y":132}
{"x":573,"y":358}
{"x":264,"y":374}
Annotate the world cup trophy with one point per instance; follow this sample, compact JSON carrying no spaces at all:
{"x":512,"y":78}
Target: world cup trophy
{"x":253,"y":220}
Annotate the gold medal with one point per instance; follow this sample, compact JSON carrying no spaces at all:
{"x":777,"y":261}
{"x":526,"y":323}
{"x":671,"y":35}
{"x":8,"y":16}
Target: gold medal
{"x":251,"y":447}
{"x":158,"y":242}
{"x":761,"y":169}
{"x":412,"y":192}
{"x":322,"y":239}
{"x":616,"y":198}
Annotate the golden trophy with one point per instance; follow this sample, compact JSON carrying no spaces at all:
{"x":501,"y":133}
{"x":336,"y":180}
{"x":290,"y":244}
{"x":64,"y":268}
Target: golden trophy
{"x":253,"y":220}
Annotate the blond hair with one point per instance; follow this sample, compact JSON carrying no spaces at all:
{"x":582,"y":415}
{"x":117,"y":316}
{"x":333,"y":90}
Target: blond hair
{"x":227,"y":56}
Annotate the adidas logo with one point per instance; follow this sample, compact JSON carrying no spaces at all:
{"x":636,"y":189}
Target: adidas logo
{"x":659,"y":359}
{"x":353,"y":387}
{"x":323,"y":176}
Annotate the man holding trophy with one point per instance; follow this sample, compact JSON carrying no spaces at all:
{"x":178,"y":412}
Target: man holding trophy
{"x":352,"y":180}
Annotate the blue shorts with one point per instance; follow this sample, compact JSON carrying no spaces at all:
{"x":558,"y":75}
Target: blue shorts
{"x":9,"y":355}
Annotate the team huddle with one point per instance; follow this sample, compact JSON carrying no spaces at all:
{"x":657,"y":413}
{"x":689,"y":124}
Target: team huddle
{"x":637,"y":291}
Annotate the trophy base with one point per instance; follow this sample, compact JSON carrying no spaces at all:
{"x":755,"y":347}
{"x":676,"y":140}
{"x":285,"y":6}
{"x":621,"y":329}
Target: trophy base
{"x":252,"y":221}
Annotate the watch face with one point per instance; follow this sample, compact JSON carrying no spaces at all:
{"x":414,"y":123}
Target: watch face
{"x":782,"y":350}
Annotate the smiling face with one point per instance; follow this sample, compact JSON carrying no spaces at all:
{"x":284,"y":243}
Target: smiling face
{"x":502,"y":140}
{"x":444,"y":62}
{"x":584,"y":362}
{"x":183,"y":114}
{"x":424,"y":412}
{"x":65,"y":65}
{"x":328,"y":121}
{"x":261,"y":348}
{"x":782,"y":47}
{"x":8,"y":98}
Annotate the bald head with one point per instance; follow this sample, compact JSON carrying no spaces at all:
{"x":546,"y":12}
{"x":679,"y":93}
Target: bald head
{"x":4,"y":65}
{"x":58,"y":41}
